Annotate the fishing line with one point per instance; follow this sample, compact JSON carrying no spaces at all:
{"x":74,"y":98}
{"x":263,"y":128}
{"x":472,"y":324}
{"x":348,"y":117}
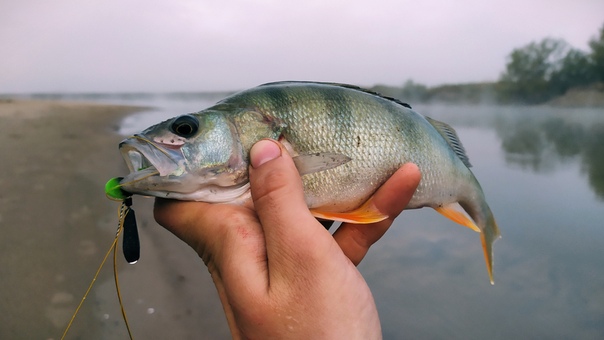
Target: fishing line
{"x":127,"y":221}
{"x":125,"y":211}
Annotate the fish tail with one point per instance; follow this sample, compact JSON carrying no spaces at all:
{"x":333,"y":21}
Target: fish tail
{"x":485,"y":224}
{"x":489,"y":233}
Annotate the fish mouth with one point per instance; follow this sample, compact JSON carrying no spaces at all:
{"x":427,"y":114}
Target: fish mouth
{"x":146,"y":158}
{"x":161,"y":170}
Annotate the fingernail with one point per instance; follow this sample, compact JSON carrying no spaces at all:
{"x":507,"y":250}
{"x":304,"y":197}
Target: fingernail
{"x":264,"y":151}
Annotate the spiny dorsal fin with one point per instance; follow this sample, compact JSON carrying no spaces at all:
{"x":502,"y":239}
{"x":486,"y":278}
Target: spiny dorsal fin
{"x":450,"y":136}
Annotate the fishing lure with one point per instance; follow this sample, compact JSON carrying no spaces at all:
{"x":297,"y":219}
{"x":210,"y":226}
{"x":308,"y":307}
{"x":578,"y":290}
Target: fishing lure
{"x":130,"y":245}
{"x":130,"y":241}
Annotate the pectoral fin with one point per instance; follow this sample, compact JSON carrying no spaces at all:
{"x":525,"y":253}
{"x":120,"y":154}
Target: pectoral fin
{"x":365,"y":214}
{"x":454,"y":212}
{"x":316,"y":162}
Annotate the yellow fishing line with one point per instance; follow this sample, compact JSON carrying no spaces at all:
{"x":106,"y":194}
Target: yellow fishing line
{"x":117,"y":285}
{"x":121,"y":215}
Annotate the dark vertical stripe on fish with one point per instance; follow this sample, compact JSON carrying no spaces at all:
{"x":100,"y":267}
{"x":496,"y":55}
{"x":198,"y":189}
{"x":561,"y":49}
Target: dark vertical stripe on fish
{"x":278,"y":98}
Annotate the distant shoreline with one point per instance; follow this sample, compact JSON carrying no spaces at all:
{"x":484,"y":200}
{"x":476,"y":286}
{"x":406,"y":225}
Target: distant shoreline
{"x":591,"y":97}
{"x":452,"y":94}
{"x":485,"y":94}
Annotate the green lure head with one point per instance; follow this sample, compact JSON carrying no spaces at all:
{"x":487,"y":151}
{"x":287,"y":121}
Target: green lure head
{"x":114,"y":191}
{"x":127,"y":220}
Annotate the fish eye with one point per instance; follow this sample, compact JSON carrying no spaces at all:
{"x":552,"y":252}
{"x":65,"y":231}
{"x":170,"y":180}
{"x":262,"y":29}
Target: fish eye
{"x":185,"y":126}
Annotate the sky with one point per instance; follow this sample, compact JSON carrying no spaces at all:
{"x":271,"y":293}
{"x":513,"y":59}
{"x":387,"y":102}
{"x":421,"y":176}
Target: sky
{"x":216,"y":45}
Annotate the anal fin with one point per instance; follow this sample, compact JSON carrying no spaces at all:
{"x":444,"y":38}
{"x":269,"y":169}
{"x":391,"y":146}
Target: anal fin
{"x":454,"y":212}
{"x":365,"y":214}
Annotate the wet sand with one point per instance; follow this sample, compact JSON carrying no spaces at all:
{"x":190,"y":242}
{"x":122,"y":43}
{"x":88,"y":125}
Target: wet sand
{"x":56,"y":225}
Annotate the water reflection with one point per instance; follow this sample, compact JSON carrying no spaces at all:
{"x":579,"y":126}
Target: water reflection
{"x":541,"y":143}
{"x":594,"y":159}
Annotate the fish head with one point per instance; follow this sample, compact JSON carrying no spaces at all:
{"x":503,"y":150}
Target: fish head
{"x":194,"y":156}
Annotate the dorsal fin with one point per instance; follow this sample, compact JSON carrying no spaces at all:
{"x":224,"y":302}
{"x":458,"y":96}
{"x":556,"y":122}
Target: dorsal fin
{"x":450,"y":136}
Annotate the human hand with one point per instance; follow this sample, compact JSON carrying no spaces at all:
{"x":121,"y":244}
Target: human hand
{"x":278,"y":272}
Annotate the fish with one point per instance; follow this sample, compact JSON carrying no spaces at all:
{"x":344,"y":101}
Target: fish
{"x":346,"y":141}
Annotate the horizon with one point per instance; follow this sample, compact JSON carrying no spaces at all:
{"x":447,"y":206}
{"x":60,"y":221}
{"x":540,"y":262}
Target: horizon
{"x":208,"y":92}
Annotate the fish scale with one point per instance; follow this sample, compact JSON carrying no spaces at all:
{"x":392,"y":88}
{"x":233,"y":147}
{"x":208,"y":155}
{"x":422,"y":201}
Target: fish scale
{"x":372,"y":161}
{"x":349,"y":140}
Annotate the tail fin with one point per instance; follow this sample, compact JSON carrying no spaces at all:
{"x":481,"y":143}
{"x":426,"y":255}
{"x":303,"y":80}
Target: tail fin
{"x":488,"y":235}
{"x":479,"y":211}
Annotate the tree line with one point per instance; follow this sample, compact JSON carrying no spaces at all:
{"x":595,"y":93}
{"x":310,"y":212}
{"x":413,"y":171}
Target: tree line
{"x":534,"y":74}
{"x":542,"y":70}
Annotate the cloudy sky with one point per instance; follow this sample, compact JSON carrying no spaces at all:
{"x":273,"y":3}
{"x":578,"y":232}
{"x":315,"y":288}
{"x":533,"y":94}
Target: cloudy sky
{"x":197,"y":45}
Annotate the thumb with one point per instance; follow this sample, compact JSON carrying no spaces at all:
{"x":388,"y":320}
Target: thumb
{"x":291,"y":232}
{"x":276,"y":186}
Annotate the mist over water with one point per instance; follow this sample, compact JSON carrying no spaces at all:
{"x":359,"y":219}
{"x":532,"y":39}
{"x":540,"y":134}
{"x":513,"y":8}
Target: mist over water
{"x":161,"y":105}
{"x":165,"y":107}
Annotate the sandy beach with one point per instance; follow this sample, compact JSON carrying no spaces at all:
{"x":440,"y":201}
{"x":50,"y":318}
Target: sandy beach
{"x":57,"y":225}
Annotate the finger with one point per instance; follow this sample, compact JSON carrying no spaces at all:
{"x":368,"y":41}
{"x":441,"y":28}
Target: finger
{"x":177,"y":216}
{"x":391,"y":198}
{"x":293,"y":236}
{"x":192,"y":222}
{"x":227,"y":237}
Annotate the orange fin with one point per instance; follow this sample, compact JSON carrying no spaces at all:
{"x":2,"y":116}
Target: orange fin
{"x":365,"y":214}
{"x":487,"y":237}
{"x":488,"y":256}
{"x":454,"y":213}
